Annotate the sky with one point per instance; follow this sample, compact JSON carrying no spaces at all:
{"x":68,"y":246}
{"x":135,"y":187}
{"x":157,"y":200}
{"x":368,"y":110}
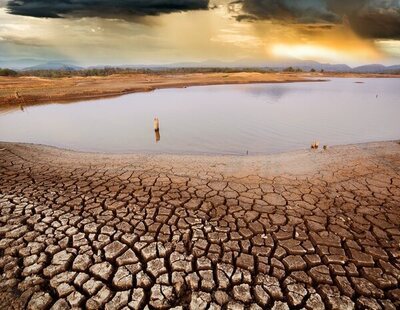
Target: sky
{"x":116,"y":32}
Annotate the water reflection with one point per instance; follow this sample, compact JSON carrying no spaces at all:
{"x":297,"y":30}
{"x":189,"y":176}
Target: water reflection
{"x":228,"y":119}
{"x":158,"y":136}
{"x":274,"y":94}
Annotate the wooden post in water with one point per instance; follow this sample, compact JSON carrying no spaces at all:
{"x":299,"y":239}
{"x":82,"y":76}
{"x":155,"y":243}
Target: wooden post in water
{"x":156,"y":124}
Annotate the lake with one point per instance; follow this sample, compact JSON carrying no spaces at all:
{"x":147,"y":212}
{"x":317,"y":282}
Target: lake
{"x":224,"y":119}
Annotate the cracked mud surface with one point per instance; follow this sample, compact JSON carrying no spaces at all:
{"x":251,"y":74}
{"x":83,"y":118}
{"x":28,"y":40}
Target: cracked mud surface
{"x":304,"y":230}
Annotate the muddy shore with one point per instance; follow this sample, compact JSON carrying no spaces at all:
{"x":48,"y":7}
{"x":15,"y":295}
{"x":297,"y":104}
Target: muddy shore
{"x":25,"y":91}
{"x":306,"y":229}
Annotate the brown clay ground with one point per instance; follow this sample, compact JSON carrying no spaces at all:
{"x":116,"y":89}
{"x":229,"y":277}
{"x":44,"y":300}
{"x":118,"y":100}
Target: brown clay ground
{"x":34,"y":90}
{"x":305,"y":230}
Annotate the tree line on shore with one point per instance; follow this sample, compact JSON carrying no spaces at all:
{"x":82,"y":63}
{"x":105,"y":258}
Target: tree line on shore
{"x":107,"y":71}
{"x":56,"y":73}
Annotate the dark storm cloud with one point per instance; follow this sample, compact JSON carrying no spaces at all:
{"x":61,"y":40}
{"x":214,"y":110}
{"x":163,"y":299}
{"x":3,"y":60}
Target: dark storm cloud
{"x":296,"y":11}
{"x":383,"y":24}
{"x":369,"y":18}
{"x":121,"y":9}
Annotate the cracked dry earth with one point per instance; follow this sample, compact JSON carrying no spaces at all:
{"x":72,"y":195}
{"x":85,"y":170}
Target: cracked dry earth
{"x":303,"y":230}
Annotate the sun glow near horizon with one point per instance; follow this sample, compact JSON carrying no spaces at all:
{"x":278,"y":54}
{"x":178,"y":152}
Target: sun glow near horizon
{"x":304,"y":51}
{"x":320,"y":53}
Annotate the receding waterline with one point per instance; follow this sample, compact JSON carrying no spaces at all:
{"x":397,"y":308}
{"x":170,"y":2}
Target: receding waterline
{"x":223,"y":119}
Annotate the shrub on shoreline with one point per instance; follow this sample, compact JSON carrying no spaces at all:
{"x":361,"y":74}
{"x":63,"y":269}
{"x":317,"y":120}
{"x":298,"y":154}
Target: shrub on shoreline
{"x":8,"y":72}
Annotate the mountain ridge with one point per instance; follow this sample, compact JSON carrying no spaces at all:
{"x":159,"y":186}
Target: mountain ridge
{"x":304,"y":65}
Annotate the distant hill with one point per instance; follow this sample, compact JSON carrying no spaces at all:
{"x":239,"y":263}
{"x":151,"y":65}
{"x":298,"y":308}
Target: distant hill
{"x":373,"y":68}
{"x":53,"y":66}
{"x":395,"y":67}
{"x":377,"y":68}
{"x":275,"y":65}
{"x":307,"y":65}
{"x":20,"y":63}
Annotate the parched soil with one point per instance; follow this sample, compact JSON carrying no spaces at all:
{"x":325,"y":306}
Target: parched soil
{"x":305,"y":230}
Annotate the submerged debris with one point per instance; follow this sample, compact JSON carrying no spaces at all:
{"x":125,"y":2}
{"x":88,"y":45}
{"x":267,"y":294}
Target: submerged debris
{"x":315,"y":145}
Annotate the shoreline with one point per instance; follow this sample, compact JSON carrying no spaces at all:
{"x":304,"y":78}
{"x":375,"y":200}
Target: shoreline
{"x":37,"y":91}
{"x":34,"y":90}
{"x":291,"y":162}
{"x":194,"y":154}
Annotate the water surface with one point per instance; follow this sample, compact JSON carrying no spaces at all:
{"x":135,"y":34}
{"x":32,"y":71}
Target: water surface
{"x":224,"y":119}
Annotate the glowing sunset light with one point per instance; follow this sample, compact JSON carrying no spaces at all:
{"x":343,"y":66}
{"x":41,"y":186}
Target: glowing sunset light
{"x":305,"y":52}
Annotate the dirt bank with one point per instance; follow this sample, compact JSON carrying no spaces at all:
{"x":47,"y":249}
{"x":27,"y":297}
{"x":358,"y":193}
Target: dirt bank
{"x":26,"y":91}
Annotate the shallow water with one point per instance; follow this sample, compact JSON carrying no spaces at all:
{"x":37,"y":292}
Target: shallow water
{"x":227,"y":119}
